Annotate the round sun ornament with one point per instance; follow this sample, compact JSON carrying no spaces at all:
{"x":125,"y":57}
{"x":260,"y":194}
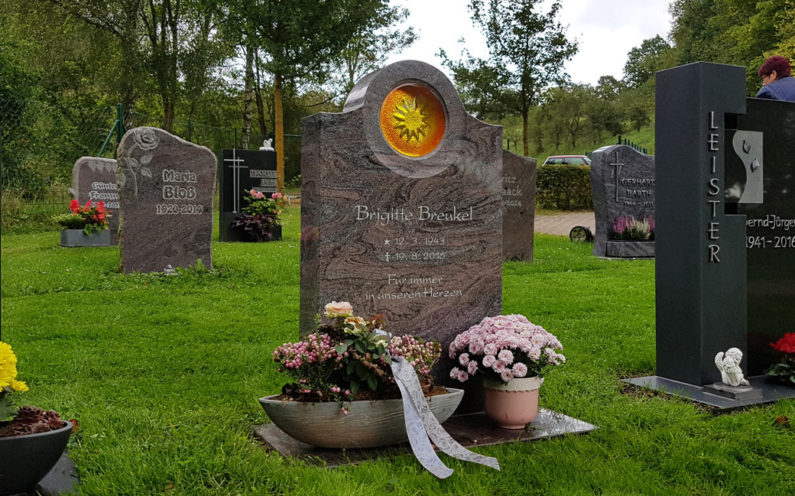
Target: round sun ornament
{"x":412,"y":120}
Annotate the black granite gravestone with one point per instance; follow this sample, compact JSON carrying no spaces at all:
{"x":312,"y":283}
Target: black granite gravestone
{"x":518,"y":206}
{"x":762,"y":161}
{"x":711,"y":185}
{"x":622,"y":187}
{"x":401,"y":206}
{"x":242,"y":170}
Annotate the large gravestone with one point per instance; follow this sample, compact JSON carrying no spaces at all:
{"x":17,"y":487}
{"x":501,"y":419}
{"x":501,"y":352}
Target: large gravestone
{"x":622,"y":187}
{"x":242,"y":170}
{"x":401,"y":206}
{"x":760,"y":178}
{"x":166,"y":189}
{"x":712,"y":292}
{"x":518,"y":206}
{"x":94,"y":178}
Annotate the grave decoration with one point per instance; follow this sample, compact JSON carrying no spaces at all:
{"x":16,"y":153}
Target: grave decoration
{"x":84,"y":226}
{"x":518,"y":206}
{"x":260,"y":219}
{"x":241,"y":172}
{"x":166,"y":190}
{"x":783,"y":370}
{"x":725,"y":214}
{"x":94,"y":179}
{"x":622,"y":187}
{"x":357,"y":386}
{"x":401,"y":206}
{"x":31,"y":440}
{"x":511,"y":354}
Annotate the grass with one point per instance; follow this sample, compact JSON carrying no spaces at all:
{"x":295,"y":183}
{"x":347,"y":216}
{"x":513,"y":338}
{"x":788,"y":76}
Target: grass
{"x":163,"y":374}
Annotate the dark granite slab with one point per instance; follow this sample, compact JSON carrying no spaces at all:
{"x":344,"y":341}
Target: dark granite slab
{"x":242,"y":170}
{"x":94,"y":178}
{"x":768,"y":393}
{"x":166,"y":189}
{"x":62,"y":479}
{"x":470,"y":430}
{"x":518,"y":206}
{"x":622,"y":185}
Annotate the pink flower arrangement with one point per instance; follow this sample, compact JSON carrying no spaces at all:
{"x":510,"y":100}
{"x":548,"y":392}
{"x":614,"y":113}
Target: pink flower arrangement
{"x":503,"y":348}
{"x":628,"y":228}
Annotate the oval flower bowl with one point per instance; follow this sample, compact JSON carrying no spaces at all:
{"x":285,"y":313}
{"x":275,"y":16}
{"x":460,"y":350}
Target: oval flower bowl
{"x":368,"y":424}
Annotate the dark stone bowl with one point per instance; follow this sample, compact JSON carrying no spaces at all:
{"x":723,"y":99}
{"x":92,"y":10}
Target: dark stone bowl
{"x":27,"y":459}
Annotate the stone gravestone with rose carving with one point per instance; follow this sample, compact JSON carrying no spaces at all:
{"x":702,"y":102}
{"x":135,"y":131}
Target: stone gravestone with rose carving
{"x":166,"y":189}
{"x":622,"y":187}
{"x":518,"y":206}
{"x":401,"y":206}
{"x":94,"y":179}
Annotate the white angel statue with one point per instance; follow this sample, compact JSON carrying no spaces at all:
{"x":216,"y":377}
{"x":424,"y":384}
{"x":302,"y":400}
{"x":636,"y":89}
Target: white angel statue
{"x":729,"y":366}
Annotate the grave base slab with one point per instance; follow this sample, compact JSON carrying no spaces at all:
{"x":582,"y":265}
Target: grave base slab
{"x":769,"y":393}
{"x":470,"y":430}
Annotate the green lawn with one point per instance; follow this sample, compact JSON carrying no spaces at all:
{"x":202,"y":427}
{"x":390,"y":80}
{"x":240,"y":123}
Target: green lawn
{"x":163,"y":374}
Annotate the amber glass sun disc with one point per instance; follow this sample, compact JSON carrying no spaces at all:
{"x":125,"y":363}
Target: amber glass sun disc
{"x":412,"y":120}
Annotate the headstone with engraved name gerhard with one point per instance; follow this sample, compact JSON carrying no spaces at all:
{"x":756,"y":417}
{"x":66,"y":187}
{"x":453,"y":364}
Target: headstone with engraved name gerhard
{"x":166,"y":189}
{"x":401,"y":206}
{"x":94,"y":179}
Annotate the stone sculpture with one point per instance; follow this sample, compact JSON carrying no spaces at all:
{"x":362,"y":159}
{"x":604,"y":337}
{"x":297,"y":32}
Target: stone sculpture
{"x":729,"y":366}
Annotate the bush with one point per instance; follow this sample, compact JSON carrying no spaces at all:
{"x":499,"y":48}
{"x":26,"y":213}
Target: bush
{"x":564,"y":187}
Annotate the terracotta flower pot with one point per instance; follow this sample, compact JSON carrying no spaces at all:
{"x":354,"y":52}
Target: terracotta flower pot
{"x":512,"y":405}
{"x":369,"y":423}
{"x":27,"y":459}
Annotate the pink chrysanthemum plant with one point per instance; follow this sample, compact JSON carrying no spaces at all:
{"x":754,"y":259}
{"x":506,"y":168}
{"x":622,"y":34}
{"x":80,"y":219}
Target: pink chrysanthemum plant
{"x":347,"y":359}
{"x":503,"y":348}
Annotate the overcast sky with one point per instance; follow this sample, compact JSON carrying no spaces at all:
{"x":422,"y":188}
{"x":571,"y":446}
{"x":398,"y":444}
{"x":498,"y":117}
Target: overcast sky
{"x":606,"y":30}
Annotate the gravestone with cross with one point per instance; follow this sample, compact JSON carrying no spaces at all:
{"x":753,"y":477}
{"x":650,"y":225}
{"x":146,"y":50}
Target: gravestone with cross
{"x":402,"y":206}
{"x":622,"y":187}
{"x":241,"y":171}
{"x":725,"y":255}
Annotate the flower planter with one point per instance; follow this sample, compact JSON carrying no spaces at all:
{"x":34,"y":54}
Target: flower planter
{"x":630,"y":249}
{"x":27,"y":459}
{"x":275,"y":234}
{"x":512,"y":405}
{"x":368,"y":424}
{"x":76,"y":237}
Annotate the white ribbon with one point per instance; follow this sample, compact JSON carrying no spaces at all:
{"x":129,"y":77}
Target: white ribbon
{"x":421,"y":424}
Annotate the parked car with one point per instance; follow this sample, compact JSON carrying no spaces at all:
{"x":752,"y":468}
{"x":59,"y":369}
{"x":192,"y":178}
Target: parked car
{"x":567,"y":160}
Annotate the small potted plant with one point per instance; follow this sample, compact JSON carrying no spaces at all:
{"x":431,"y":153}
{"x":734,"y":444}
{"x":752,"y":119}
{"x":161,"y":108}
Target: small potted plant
{"x":260,"y":221}
{"x":31,"y":440}
{"x":511,"y":354}
{"x":783,"y":372}
{"x":630,"y":237}
{"x":84,"y":226}
{"x":342,"y":393}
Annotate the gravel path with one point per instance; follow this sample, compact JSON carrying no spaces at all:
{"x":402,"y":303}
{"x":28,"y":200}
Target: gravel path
{"x":561,"y":224}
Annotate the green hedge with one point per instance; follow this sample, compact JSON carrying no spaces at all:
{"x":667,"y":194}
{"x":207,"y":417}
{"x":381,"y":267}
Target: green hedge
{"x":564,"y":187}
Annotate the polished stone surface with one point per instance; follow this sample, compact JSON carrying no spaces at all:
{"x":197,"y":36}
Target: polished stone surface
{"x":166,"y":188}
{"x":62,"y":479}
{"x":518,"y":206}
{"x":94,"y":178}
{"x":242,"y":170}
{"x":470,"y":430}
{"x":768,"y":393}
{"x":416,"y":239}
{"x":622,"y":184}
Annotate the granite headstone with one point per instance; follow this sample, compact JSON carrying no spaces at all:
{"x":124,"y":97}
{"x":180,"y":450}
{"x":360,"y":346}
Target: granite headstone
{"x":401,"y":206}
{"x":242,"y":170}
{"x":166,"y":190}
{"x":94,"y":178}
{"x":622,"y":187}
{"x":518,"y":206}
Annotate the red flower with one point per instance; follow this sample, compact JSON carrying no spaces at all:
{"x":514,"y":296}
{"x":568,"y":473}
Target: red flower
{"x":785,"y":344}
{"x":74,"y":206}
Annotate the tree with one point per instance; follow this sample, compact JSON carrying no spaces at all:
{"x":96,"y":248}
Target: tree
{"x":301,"y":39}
{"x":527,"y":49}
{"x":644,"y":61}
